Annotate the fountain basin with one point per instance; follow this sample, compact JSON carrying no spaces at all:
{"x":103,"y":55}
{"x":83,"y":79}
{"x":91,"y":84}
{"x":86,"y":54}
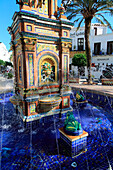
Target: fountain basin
{"x":49,"y":103}
{"x":81,"y":103}
{"x":14,"y":133}
{"x":15,"y":100}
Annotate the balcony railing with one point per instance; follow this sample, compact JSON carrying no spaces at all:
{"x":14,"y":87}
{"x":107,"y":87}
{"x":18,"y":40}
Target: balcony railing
{"x":101,"y":53}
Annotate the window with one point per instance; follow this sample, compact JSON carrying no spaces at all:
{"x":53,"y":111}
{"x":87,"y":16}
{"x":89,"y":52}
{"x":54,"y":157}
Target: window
{"x":70,"y":65}
{"x":97,"y":48}
{"x":110,"y":47}
{"x":95,"y":29}
{"x":80,"y":44}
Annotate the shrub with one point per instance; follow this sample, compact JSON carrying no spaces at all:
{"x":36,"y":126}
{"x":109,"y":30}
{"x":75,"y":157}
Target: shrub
{"x":79,"y":60}
{"x":7,"y":63}
{"x":10,"y":75}
{"x":2,"y":62}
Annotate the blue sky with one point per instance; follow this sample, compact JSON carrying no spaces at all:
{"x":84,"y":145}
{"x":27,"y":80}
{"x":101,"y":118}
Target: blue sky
{"x":7,"y":9}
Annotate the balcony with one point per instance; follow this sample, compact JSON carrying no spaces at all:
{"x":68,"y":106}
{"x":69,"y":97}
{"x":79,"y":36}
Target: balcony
{"x":102,"y":54}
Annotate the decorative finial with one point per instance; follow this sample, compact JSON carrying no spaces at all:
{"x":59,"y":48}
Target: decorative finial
{"x":62,"y":10}
{"x":18,"y":2}
{"x":40,"y":3}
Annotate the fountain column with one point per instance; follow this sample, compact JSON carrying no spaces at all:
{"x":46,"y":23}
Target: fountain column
{"x":42,"y":43}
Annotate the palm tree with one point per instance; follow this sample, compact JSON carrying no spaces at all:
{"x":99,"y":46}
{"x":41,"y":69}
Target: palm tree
{"x":86,"y":10}
{"x":11,"y":58}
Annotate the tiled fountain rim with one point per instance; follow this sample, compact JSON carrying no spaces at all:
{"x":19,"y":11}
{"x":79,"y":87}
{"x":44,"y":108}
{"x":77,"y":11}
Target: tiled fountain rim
{"x":97,"y":89}
{"x":7,"y":91}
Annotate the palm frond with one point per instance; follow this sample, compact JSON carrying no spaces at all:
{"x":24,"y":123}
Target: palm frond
{"x":110,"y":10}
{"x":105,"y":9}
{"x":73,"y":14}
{"x":99,"y":20}
{"x":103,"y":3}
{"x":69,"y":12}
{"x":90,"y":8}
{"x":106,"y":21}
{"x":79,"y":24}
{"x":77,"y":20}
{"x":76,"y":5}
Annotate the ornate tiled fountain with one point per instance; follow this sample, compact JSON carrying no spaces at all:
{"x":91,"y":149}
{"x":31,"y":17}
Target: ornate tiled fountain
{"x":40,"y":41}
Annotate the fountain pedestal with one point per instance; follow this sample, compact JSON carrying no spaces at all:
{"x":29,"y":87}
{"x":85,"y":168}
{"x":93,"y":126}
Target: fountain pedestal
{"x":41,"y":60}
{"x":73,"y":145}
{"x":80,"y":100}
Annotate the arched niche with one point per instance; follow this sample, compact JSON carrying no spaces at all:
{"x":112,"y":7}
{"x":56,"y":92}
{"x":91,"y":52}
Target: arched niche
{"x":48,"y":68}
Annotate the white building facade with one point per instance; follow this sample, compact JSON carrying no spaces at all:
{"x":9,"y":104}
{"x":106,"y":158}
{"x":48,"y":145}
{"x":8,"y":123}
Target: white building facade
{"x":4,"y":54}
{"x":101,"y":44}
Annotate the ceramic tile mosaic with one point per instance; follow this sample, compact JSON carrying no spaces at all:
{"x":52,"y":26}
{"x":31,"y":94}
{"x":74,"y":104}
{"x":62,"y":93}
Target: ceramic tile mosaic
{"x":65,"y":34}
{"x":39,"y":147}
{"x":46,"y":32}
{"x":32,"y":108}
{"x":31,"y":69}
{"x":48,"y":47}
{"x":65,"y":68}
{"x":29,"y":28}
{"x":20,"y":69}
{"x":66,"y":101}
{"x":74,"y":147}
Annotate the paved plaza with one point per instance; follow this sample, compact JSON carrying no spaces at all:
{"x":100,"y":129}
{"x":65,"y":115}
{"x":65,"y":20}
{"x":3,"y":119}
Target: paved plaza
{"x":101,"y":89}
{"x":6,"y":84}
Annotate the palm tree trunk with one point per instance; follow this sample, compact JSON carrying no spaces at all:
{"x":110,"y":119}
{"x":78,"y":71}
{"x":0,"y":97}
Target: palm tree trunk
{"x":87,"y":47}
{"x":78,"y":72}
